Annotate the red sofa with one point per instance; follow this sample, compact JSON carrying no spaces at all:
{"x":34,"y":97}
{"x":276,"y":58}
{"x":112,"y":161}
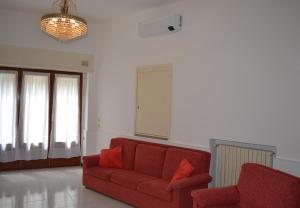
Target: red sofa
{"x":147,"y":170}
{"x":258,"y":187}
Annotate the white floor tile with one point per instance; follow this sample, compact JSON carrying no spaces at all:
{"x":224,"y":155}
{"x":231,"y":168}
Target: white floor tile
{"x":50,"y":188}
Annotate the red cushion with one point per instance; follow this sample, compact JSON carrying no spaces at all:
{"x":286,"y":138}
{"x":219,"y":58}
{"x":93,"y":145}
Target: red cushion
{"x":129,"y":179}
{"x":199,"y":160}
{"x":128,"y":151}
{"x":149,"y":159}
{"x":156,"y":188}
{"x":111,"y":158}
{"x":184,"y":170}
{"x":260,"y":186}
{"x":100,"y":172}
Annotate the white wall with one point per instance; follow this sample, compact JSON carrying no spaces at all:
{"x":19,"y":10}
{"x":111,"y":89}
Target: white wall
{"x":15,"y":56}
{"x":236,"y":74}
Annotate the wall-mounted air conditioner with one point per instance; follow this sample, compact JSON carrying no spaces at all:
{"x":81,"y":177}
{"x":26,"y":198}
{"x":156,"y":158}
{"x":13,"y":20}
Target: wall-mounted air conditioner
{"x":166,"y":25}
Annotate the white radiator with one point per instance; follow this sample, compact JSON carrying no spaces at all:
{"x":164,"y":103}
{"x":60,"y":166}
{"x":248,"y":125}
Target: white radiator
{"x":228,"y":157}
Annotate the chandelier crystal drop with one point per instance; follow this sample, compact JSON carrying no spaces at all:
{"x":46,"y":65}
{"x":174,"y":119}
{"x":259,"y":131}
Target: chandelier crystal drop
{"x":64,"y":26}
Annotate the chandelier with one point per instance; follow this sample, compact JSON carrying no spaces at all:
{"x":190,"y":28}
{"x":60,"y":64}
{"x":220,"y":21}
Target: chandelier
{"x":64,"y":26}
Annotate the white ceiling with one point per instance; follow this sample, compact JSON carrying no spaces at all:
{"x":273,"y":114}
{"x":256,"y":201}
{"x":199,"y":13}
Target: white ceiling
{"x":95,"y":10}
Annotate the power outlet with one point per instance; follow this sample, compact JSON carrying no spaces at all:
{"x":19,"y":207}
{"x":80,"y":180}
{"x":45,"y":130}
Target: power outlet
{"x":85,"y":63}
{"x":98,"y":123}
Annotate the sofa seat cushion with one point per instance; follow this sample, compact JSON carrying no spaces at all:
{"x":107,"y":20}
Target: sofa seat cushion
{"x":129,"y":179}
{"x":156,"y":188}
{"x":102,"y":173}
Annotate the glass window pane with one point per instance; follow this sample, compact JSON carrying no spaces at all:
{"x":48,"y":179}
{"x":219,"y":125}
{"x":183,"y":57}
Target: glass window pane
{"x":66,"y":113}
{"x":8,"y":101}
{"x":35,"y":109}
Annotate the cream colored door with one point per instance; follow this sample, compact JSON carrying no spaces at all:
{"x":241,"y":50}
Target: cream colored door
{"x":153,"y":101}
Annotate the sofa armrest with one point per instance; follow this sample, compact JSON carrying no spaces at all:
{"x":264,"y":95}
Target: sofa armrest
{"x":215,"y":197}
{"x":90,"y":161}
{"x":190,"y":181}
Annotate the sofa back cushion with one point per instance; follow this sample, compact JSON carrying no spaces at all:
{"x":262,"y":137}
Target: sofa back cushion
{"x":149,"y":159}
{"x":260,"y":186}
{"x":128,"y":151}
{"x":200,"y":160}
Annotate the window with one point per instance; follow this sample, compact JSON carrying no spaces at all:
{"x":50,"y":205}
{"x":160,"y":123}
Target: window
{"x":40,"y":117}
{"x":35,"y":109}
{"x":66,"y":117}
{"x":8,"y":103}
{"x":66,"y":113}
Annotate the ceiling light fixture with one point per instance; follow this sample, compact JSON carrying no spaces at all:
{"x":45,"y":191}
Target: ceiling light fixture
{"x":64,"y":26}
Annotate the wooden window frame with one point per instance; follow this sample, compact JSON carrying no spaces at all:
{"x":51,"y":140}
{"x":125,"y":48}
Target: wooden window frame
{"x":49,"y":162}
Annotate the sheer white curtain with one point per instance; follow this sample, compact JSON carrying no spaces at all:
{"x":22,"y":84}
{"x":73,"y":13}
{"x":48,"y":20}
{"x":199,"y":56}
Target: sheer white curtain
{"x":65,"y":135}
{"x":34,"y":111}
{"x":8,"y":113}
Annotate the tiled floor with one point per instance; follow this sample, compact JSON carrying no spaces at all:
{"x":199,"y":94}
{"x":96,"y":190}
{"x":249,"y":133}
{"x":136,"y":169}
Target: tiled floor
{"x":50,"y":188}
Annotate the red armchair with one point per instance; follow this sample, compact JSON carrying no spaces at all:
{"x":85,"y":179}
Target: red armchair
{"x":258,"y":187}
